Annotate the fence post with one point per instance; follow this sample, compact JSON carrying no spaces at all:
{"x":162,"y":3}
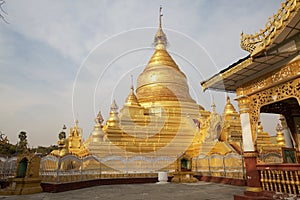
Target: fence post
{"x":224,"y":167}
{"x":243,"y":167}
{"x":196,"y":159}
{"x":2,"y":169}
{"x":58,"y":169}
{"x":208,"y":161}
{"x":81,"y":168}
{"x":152,"y":165}
{"x":242,"y":158}
{"x":126,"y":166}
{"x":100,"y":169}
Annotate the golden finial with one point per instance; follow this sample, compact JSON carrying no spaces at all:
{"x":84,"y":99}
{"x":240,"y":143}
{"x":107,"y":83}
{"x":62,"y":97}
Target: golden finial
{"x":160,"y":15}
{"x":131,"y":80}
{"x":99,"y":119}
{"x":160,"y":39}
{"x":76,"y":122}
{"x":114,"y":107}
{"x":213,"y":105}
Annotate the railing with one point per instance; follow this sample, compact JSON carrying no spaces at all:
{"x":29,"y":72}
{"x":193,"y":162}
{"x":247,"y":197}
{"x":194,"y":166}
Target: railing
{"x":230,"y":165}
{"x":280,"y":177}
{"x":71,"y":168}
{"x":7,"y":167}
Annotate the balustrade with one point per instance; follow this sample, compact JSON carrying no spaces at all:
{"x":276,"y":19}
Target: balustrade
{"x":230,"y":165}
{"x":72,"y":168}
{"x":280,"y":177}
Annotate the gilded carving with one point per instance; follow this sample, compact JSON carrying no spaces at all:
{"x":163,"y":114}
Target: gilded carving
{"x":271,"y":95}
{"x":249,"y":154}
{"x":286,"y":73}
{"x":254,"y":43}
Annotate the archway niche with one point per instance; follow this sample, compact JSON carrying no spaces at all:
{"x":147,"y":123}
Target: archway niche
{"x":290,"y":109}
{"x":22,"y":168}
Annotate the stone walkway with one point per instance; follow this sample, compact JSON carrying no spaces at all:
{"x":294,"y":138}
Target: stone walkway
{"x":200,"y":191}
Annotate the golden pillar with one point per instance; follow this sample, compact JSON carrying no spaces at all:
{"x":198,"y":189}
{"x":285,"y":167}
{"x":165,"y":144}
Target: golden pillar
{"x":248,"y":136}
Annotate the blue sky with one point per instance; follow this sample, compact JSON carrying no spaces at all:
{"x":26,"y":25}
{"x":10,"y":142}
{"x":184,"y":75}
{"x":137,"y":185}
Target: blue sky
{"x":61,"y":60}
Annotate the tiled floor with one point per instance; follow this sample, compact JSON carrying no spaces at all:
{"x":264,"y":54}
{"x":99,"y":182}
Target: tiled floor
{"x":200,"y":191}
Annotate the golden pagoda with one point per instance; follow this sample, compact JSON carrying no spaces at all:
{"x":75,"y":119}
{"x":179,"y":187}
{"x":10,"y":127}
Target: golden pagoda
{"x":96,"y":136}
{"x":264,"y":144}
{"x":161,"y":116}
{"x":158,"y":119}
{"x":71,"y":145}
{"x":232,"y":130}
{"x":223,"y":134}
{"x":280,"y":137}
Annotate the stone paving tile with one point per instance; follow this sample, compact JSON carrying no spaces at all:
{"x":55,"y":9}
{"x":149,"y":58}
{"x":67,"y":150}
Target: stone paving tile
{"x":200,"y":191}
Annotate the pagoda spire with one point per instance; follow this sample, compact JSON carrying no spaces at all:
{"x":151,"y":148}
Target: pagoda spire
{"x":131,"y":86}
{"x":99,"y":119}
{"x":131,"y":99}
{"x":213,"y":105}
{"x":160,"y":39}
{"x":76,"y":123}
{"x":131,"y":82}
{"x":113,"y":119}
{"x":160,"y":16}
{"x":229,"y":109}
{"x":114,"y":107}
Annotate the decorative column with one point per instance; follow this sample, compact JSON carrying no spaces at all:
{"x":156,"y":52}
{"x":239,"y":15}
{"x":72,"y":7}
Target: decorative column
{"x":250,"y":153}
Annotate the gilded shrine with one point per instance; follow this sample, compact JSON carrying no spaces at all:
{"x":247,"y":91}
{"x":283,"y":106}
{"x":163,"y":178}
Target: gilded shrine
{"x":268,"y":81}
{"x":27,"y":179}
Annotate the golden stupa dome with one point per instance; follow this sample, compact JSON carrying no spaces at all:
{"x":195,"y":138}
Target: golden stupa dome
{"x":162,"y":80}
{"x":259,"y":128}
{"x":229,"y":109}
{"x":131,"y":99}
{"x":113,"y":115}
{"x":280,"y":136}
{"x":97,"y":134}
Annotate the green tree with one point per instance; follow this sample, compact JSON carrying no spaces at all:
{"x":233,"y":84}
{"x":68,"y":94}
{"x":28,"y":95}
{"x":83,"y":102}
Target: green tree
{"x":6,"y":149}
{"x":22,"y":144}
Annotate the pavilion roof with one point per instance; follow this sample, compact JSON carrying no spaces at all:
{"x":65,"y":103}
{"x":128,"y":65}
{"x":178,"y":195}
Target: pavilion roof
{"x":274,"y":46}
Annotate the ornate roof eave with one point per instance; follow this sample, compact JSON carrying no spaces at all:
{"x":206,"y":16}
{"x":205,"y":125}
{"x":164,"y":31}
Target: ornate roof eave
{"x":259,"y":42}
{"x":279,"y":31}
{"x":243,"y":63}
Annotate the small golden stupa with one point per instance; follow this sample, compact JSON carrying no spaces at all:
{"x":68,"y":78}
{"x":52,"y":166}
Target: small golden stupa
{"x":71,"y":145}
